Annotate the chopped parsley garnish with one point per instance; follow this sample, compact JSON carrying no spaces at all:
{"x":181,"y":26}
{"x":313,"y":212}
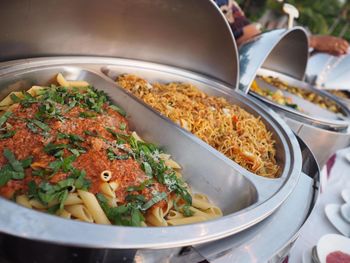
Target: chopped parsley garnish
{"x":155,"y":199}
{"x":186,"y":211}
{"x":126,"y":215}
{"x":122,"y":126}
{"x":6,"y":132}
{"x":118,"y":109}
{"x":113,"y":156}
{"x":14,"y":169}
{"x":4,"y":117}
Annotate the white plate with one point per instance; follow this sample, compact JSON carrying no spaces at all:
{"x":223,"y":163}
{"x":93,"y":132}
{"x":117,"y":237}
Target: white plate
{"x":331,"y":243}
{"x":345,"y":194}
{"x":334,"y":216}
{"x":345,"y":212}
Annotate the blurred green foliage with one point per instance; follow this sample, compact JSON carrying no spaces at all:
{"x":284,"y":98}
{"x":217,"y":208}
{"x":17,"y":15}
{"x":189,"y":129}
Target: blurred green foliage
{"x":319,"y":16}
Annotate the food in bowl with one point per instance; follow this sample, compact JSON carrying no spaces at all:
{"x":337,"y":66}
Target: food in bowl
{"x":228,"y":128}
{"x":67,"y":150}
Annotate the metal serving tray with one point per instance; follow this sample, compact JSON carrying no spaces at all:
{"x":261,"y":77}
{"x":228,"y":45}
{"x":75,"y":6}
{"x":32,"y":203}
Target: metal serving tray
{"x":279,"y":231}
{"x":332,"y":131}
{"x":312,"y":113}
{"x":245,"y":198}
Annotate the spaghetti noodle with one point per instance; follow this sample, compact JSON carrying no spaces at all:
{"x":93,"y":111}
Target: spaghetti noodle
{"x":228,"y":128}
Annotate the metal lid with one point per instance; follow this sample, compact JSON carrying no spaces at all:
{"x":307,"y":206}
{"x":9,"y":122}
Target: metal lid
{"x":283,"y":51}
{"x":329,"y":72}
{"x":188,"y":34}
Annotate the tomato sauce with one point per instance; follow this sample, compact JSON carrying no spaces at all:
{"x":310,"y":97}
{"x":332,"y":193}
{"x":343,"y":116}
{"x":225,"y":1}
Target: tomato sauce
{"x":94,"y":161}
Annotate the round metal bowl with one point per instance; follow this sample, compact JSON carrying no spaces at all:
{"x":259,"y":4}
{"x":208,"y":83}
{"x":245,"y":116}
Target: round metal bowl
{"x":312,"y":113}
{"x":245,"y":198}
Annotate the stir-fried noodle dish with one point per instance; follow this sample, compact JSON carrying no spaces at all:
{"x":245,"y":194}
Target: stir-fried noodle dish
{"x":230,"y":129}
{"x":67,"y":150}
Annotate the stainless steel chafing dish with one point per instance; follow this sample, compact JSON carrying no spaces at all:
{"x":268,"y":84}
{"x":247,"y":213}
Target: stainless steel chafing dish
{"x":330,"y":74}
{"x":332,"y":130}
{"x":119,"y":32}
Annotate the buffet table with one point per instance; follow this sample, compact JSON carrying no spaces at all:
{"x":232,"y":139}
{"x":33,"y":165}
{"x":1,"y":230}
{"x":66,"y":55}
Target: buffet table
{"x":334,"y":178}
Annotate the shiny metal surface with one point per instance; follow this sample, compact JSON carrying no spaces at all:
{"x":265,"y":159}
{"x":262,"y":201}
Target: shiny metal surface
{"x":331,"y":131}
{"x":271,"y":239}
{"x":244,"y":197}
{"x":284,"y":51}
{"x":329,"y":72}
{"x":312,"y":114}
{"x":188,"y":34}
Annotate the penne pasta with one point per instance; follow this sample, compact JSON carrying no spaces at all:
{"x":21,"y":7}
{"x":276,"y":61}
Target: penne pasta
{"x":78,"y":84}
{"x":61,"y":80}
{"x":86,"y":164}
{"x":37,"y":204}
{"x":35,"y":90}
{"x":80,"y":212}
{"x":65,"y":214}
{"x":173,"y":214}
{"x":7,"y":101}
{"x":214,"y":211}
{"x":114,"y":185}
{"x":171,"y":163}
{"x":201,"y":197}
{"x":106,"y":175}
{"x":106,"y":189}
{"x":94,"y":207}
{"x":156,"y":217}
{"x":23,"y":200}
{"x":201,"y":204}
{"x":186,"y":220}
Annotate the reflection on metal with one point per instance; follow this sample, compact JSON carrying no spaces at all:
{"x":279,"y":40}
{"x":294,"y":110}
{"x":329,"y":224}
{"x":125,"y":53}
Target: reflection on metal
{"x":329,"y":72}
{"x":188,"y":34}
{"x":284,"y":51}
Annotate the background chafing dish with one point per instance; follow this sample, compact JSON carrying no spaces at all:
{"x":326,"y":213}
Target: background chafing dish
{"x":330,"y":73}
{"x":330,"y":129}
{"x":153,"y":31}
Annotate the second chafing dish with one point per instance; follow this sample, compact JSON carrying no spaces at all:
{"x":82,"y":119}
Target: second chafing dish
{"x":284,"y":54}
{"x":244,"y":197}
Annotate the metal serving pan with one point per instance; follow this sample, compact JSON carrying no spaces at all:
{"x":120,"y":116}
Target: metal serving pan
{"x":244,"y":197}
{"x":312,"y":113}
{"x":284,"y":53}
{"x":279,"y":231}
{"x":329,"y":72}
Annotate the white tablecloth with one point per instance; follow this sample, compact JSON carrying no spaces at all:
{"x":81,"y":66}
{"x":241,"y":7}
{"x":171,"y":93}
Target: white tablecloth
{"x":332,"y":184}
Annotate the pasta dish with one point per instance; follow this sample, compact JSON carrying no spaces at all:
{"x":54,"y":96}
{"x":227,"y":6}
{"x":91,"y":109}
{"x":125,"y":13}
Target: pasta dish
{"x":226,"y":127}
{"x":67,"y":150}
{"x":311,"y":96}
{"x":276,"y":96}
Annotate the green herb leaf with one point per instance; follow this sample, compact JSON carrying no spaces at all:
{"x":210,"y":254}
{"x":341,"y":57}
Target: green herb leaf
{"x":5,"y":176}
{"x":87,"y":114}
{"x":186,"y":211}
{"x":4,"y":117}
{"x":155,"y":199}
{"x":53,"y":149}
{"x":7,"y":135}
{"x":146,"y":167}
{"x":15,"y":164}
{"x":118,"y":109}
{"x":141,"y":187}
{"x":122,"y":126}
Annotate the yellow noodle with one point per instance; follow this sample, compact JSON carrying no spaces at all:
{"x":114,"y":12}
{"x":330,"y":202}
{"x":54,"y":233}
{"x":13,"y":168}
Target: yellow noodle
{"x":228,"y":128}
